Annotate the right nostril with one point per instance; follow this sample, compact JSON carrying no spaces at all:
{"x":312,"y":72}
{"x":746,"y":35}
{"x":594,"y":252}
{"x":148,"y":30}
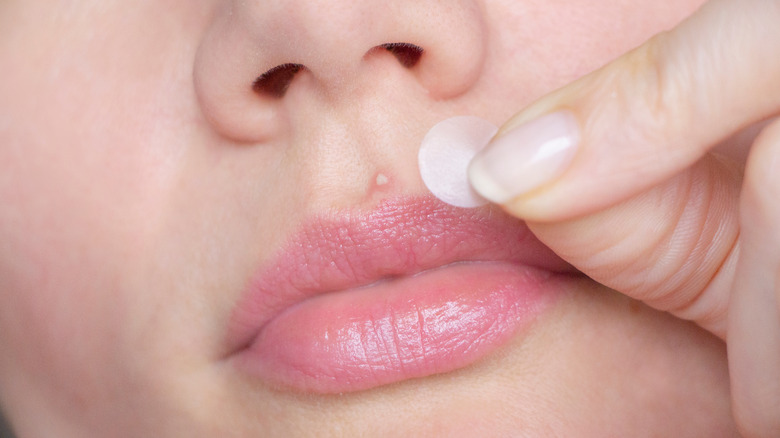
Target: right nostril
{"x":407,"y":54}
{"x":276,"y":81}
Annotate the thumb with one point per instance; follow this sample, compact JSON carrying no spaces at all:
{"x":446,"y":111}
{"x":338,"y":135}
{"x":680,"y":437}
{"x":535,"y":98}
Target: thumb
{"x":613,"y":171}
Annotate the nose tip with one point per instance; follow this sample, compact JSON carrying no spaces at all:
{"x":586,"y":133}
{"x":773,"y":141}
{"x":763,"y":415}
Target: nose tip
{"x":256,"y":50}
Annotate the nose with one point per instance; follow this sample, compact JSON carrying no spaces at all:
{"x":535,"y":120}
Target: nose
{"x":257,"y":52}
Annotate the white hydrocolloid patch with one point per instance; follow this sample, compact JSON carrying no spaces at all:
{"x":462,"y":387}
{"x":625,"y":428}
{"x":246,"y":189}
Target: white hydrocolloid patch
{"x":445,"y":154}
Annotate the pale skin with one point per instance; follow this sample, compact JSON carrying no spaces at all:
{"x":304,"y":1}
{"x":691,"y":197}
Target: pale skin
{"x":142,"y":181}
{"x":683,"y":210}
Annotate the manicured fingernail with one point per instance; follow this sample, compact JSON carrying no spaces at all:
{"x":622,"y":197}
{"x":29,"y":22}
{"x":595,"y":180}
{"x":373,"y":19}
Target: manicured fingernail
{"x":526,"y":157}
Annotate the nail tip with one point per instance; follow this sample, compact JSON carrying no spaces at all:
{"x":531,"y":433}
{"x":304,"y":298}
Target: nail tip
{"x":525,"y":158}
{"x":486,"y":186}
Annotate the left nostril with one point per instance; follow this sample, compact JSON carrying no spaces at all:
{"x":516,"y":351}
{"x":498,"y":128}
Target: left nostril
{"x":407,"y":54}
{"x":275,"y":82}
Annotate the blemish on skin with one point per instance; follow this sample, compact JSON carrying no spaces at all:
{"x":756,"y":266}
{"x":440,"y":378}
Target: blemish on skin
{"x":378,"y":186}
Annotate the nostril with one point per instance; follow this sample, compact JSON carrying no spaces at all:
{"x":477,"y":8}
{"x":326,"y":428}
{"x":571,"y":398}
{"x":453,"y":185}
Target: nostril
{"x":407,"y":54}
{"x":276,"y":81}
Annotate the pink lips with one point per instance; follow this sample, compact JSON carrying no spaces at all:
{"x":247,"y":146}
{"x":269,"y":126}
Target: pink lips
{"x":411,"y":289}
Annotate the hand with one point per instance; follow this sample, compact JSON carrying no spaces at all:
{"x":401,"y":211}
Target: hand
{"x":618,"y":174}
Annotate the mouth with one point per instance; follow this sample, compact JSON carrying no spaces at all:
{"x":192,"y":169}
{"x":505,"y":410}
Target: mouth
{"x":413,"y":288}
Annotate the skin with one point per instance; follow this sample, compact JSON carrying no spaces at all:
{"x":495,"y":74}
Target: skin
{"x":672,"y":196}
{"x":136,"y":165}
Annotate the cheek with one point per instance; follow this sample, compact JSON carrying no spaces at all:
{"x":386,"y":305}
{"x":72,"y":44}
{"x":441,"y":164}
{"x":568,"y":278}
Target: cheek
{"x":114,"y":214}
{"x":63,"y":275}
{"x":85,"y":306}
{"x":541,"y":45}
{"x":83,"y":172}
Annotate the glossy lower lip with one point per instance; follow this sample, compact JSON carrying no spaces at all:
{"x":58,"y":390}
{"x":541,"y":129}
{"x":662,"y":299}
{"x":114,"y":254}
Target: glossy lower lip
{"x":412,"y":289}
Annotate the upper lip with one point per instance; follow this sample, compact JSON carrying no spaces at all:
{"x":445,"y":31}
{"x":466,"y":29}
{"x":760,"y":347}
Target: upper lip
{"x":399,"y":238}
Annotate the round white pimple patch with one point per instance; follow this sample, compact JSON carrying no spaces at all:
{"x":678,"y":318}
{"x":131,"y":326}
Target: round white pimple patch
{"x":445,"y":154}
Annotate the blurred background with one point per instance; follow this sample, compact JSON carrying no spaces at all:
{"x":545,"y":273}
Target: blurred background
{"x":5,"y":431}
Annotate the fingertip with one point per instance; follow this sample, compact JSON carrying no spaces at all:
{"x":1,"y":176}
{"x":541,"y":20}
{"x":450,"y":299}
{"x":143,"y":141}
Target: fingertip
{"x":525,"y":157}
{"x":485,"y":184}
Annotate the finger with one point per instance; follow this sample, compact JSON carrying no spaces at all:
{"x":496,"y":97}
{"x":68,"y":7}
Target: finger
{"x":639,"y":120}
{"x":754,"y":310}
{"x":672,"y":246}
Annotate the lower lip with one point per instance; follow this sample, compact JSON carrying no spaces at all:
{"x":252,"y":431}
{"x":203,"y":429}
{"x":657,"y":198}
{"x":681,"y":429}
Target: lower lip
{"x":431,"y":323}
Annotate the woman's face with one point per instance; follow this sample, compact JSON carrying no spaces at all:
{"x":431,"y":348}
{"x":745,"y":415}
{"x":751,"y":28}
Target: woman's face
{"x":188,"y":250}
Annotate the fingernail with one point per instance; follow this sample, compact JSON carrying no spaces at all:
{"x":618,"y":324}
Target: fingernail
{"x":525,"y":157}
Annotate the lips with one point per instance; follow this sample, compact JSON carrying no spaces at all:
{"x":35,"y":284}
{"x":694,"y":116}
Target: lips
{"x":413,"y":288}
